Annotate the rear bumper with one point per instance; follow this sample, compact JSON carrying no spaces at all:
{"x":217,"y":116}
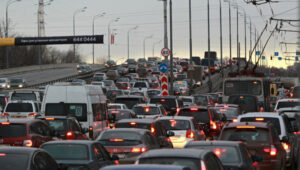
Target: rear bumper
{"x":270,"y":165}
{"x":181,"y":144}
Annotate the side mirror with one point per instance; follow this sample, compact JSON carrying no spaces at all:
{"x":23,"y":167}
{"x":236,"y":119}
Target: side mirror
{"x":170,"y":133}
{"x":285,"y":139}
{"x":114,"y":157}
{"x":256,"y":158}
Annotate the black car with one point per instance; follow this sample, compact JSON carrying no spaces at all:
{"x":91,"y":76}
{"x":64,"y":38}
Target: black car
{"x":233,"y":155}
{"x":192,"y":158}
{"x":24,"y":158}
{"x":112,"y":94}
{"x":170,"y":103}
{"x":247,"y":103}
{"x":65,"y":127}
{"x":132,"y":69}
{"x":79,"y":154}
{"x":127,"y":143}
{"x":130,"y":100}
{"x":157,"y":128}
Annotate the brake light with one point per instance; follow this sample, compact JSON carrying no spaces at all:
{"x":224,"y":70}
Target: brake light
{"x":116,"y":162}
{"x":261,"y":109}
{"x":115,"y":111}
{"x":162,"y":100}
{"x":226,"y":106}
{"x":245,"y":127}
{"x":291,"y":100}
{"x":50,"y":118}
{"x":297,"y":133}
{"x":70,"y":135}
{"x":137,"y":150}
{"x":152,"y":130}
{"x":194,"y":109}
{"x":177,"y":109}
{"x":285,"y":146}
{"x":5,"y":114}
{"x":32,"y":114}
{"x":27,"y":143}
{"x":218,"y":151}
{"x":213,"y":125}
{"x":190,"y":134}
{"x":132,"y":123}
{"x":292,"y":95}
{"x":5,"y":123}
{"x":116,"y":140}
{"x":128,"y":87}
{"x":234,"y":120}
{"x":91,"y":132}
{"x":2,"y":154}
{"x":272,"y":151}
{"x":91,"y":128}
{"x":259,"y":119}
{"x":203,"y":167}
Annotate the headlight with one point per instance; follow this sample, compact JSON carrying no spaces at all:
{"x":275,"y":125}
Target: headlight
{"x":8,"y":86}
{"x":79,"y":71}
{"x":3,"y":85}
{"x":20,"y":85}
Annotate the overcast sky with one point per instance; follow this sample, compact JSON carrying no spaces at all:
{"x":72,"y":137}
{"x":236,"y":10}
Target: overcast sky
{"x":148,"y":15}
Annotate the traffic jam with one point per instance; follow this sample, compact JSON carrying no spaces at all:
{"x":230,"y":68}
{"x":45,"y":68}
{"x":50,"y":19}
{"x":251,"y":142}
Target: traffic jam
{"x":125,"y":117}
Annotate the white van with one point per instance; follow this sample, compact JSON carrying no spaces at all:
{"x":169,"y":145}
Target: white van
{"x":86,"y":102}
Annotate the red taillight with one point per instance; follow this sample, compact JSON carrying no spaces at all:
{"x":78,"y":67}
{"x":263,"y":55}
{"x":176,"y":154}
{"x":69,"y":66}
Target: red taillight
{"x":138,"y":150}
{"x":91,"y":132}
{"x":116,"y":140}
{"x":152,"y":130}
{"x":5,"y":114}
{"x":177,"y":109}
{"x":2,"y":154}
{"x":5,"y":123}
{"x":234,"y":120}
{"x":116,"y":162}
{"x":132,"y":123}
{"x":203,"y":167}
{"x":286,"y":146}
{"x":128,"y":87}
{"x":259,"y":119}
{"x":70,"y":135}
{"x":49,"y":118}
{"x":297,"y":133}
{"x":272,"y":151}
{"x":190,"y":134}
{"x":194,"y":109}
{"x":32,"y":114}
{"x":261,"y":109}
{"x":213,"y":125}
{"x":292,"y":95}
{"x":27,"y":143}
{"x":162,"y":100}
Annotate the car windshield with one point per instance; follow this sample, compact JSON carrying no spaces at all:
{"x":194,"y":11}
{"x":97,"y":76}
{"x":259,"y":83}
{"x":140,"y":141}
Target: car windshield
{"x":167,"y":103}
{"x":153,"y":92}
{"x":129,"y":101}
{"x":146,"y":110}
{"x":192,"y":163}
{"x":172,"y":124}
{"x":274,"y":121}
{"x":65,"y":109}
{"x":2,"y":81}
{"x":58,"y":125}
{"x":140,"y":85}
{"x":227,"y":154}
{"x":19,"y":107}
{"x":108,"y":83}
{"x":187,"y":100}
{"x":245,"y":134}
{"x":120,"y":138}
{"x":15,"y":161}
{"x":67,"y":151}
{"x":12,"y":130}
{"x":114,"y":93}
{"x":16,"y":80}
{"x":285,"y":104}
{"x":200,"y":115}
{"x":23,"y":96}
{"x":180,"y":85}
{"x":133,"y":125}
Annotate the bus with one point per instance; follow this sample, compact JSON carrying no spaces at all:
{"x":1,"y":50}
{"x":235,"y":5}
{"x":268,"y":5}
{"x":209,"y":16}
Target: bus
{"x":255,"y":86}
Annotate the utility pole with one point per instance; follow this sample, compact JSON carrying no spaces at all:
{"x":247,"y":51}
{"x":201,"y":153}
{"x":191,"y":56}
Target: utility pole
{"x":221,"y":39}
{"x":94,"y":18}
{"x":190,"y":30}
{"x":245,"y":25}
{"x":128,"y":42}
{"x":250,"y":36}
{"x":171,"y":49}
{"x":208,"y":39}
{"x":237,"y":37}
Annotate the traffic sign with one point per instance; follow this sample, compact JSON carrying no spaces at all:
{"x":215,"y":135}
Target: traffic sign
{"x":165,"y":52}
{"x":164,"y":84}
{"x":297,"y":52}
{"x":263,"y":57}
{"x":164,"y":79}
{"x":164,"y":87}
{"x":163,"y":67}
{"x":279,"y":58}
{"x":276,"y":54}
{"x":297,"y":58}
{"x":257,"y":53}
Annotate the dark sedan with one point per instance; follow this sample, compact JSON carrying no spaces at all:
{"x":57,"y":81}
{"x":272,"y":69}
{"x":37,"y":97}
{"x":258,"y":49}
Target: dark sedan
{"x":82,"y":154}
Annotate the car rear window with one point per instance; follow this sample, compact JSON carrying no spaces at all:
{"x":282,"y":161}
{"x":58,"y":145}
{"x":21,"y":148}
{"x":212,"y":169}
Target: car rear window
{"x":274,"y":121}
{"x":192,"y":163}
{"x":229,"y":112}
{"x":200,"y":115}
{"x":246,"y":134}
{"x":65,"y":109}
{"x":19,"y":107}
{"x":140,"y":85}
{"x":227,"y":154}
{"x":187,"y":100}
{"x":129,"y":101}
{"x":120,"y":138}
{"x":201,"y":99}
{"x":58,"y":125}
{"x":133,"y":125}
{"x":23,"y":96}
{"x":67,"y":151}
{"x":285,"y":104}
{"x":114,"y":107}
{"x":12,"y":130}
{"x":146,"y":110}
{"x":120,"y":114}
{"x":172,"y":124}
{"x":9,"y":161}
{"x":167,"y":103}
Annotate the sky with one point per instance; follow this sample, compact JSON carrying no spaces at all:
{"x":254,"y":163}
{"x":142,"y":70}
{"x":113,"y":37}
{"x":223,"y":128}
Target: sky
{"x":148,"y":16}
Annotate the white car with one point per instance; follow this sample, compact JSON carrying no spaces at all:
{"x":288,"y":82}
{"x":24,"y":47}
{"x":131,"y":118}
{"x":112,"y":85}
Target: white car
{"x":140,"y":86}
{"x":21,"y":109}
{"x":149,"y":111}
{"x":187,"y":100}
{"x":287,"y":103}
{"x":4,"y":83}
{"x":116,"y":106}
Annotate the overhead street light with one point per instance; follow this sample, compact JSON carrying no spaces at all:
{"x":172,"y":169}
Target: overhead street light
{"x":153,"y":47}
{"x":94,"y":18}
{"x":74,"y":14}
{"x":144,"y":44}
{"x":108,"y":35}
{"x":128,"y":33}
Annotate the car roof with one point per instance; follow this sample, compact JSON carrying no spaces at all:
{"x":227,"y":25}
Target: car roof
{"x":194,"y":106}
{"x":56,"y":117}
{"x":136,"y":130}
{"x":256,"y":124}
{"x":83,"y":142}
{"x":175,"y":117}
{"x":19,"y":150}
{"x":289,"y":99}
{"x":129,"y":96}
{"x":212,"y":143}
{"x":260,"y":114}
{"x":20,"y":120}
{"x":145,"y":167}
{"x":147,"y":104}
{"x":136,"y":120}
{"x":163,"y":97}
{"x":187,"y":153}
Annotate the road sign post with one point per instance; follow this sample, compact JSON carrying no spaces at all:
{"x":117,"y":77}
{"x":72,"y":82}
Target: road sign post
{"x":164,"y":84}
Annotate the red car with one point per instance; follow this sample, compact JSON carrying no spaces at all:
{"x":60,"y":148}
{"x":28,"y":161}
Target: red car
{"x":123,"y":85}
{"x":24,"y":132}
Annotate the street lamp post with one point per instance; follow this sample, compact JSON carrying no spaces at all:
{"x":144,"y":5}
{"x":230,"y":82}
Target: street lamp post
{"x":144,"y":44}
{"x":221,"y":39}
{"x":94,"y":18}
{"x":208,"y":39}
{"x":74,"y":14}
{"x":108,"y":35}
{"x":128,"y":33}
{"x":190,"y":31}
{"x":153,"y":47}
{"x":6,"y":27}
